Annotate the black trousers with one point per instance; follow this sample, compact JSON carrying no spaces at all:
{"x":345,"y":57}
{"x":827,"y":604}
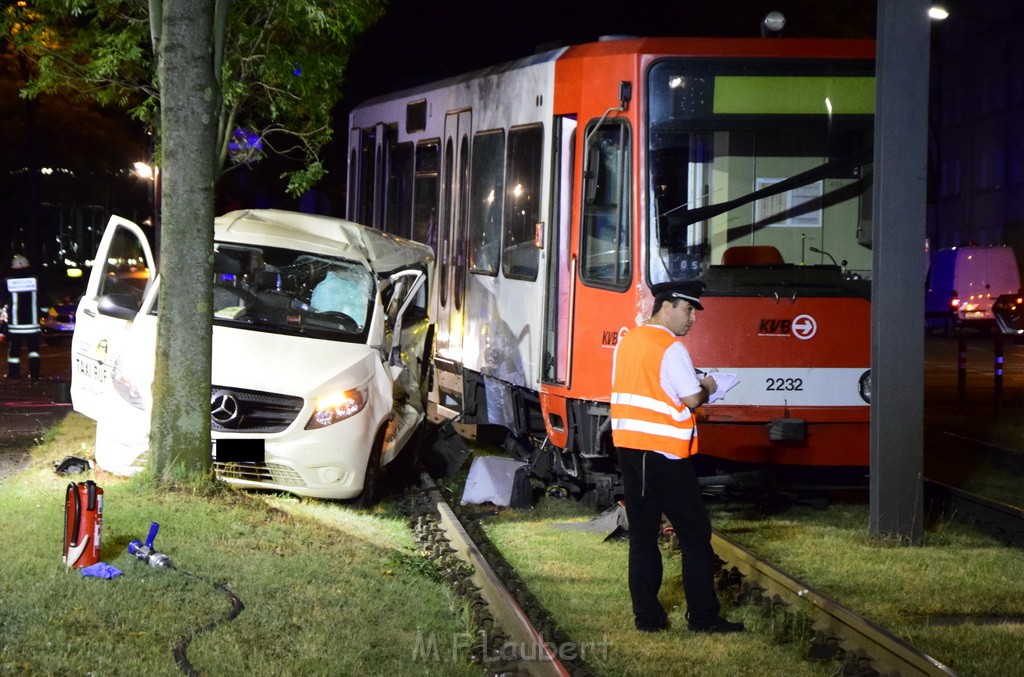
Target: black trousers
{"x":14,"y":354}
{"x":667,"y":487}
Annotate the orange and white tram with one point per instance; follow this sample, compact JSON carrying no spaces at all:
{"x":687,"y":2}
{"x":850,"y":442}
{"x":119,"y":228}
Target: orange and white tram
{"x":556,"y":189}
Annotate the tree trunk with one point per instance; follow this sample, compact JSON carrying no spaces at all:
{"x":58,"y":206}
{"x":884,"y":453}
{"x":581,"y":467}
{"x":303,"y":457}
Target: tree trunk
{"x":189,"y":95}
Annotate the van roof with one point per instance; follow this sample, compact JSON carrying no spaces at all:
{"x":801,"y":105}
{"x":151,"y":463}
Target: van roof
{"x":379,"y":251}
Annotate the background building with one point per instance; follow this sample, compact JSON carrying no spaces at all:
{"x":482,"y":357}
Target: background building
{"x":976,"y":126}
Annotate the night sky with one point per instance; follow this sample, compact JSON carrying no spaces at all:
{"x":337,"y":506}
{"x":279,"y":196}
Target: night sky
{"x":420,"y":41}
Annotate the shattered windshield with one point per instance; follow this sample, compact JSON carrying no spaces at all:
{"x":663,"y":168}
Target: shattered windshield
{"x":283,"y":290}
{"x":773,"y":158}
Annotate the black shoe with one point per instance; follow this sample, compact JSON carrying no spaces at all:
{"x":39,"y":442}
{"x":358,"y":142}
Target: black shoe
{"x":648,"y":624}
{"x":717,"y":625}
{"x":659,"y":627}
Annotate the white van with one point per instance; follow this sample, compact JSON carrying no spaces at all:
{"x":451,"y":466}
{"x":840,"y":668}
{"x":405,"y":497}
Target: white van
{"x":320,"y":340}
{"x":963,"y":283}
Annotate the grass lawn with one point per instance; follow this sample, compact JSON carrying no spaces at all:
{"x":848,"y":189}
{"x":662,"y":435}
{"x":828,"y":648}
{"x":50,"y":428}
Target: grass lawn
{"x":946,"y":598}
{"x":327,"y":589}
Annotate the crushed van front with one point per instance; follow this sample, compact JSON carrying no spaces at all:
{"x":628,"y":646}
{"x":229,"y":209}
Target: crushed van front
{"x":303,"y":426}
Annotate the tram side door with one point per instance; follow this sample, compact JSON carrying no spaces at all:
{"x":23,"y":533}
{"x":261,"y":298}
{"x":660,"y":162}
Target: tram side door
{"x":560,"y":268}
{"x":452,"y":237}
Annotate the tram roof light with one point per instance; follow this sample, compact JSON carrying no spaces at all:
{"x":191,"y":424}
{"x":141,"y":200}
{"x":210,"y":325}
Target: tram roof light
{"x":773,"y":22}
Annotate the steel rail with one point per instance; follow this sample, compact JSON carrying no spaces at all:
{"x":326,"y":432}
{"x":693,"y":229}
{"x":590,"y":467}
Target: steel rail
{"x":885,"y":653}
{"x":541,"y":659}
{"x":1007,"y":520}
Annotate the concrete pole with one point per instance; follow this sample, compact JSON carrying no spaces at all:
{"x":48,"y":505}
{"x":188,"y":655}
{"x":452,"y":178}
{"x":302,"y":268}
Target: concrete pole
{"x":898,"y":236}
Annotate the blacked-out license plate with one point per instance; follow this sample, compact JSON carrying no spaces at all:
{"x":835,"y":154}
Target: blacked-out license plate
{"x":239,"y":451}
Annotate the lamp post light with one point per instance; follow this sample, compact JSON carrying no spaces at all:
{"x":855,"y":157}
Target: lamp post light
{"x":150,"y":174}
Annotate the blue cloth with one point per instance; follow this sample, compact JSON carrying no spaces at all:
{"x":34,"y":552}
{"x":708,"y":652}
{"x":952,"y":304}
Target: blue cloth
{"x":101,"y":570}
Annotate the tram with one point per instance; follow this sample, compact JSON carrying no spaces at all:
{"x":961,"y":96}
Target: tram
{"x":556,"y":189}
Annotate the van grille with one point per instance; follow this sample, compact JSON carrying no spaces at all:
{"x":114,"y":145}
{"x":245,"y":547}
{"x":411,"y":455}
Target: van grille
{"x":234,"y":409}
{"x":272,"y":473}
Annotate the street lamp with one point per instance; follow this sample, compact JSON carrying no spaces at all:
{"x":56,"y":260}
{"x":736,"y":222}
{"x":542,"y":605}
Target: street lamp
{"x":937,"y":13}
{"x":143,"y":171}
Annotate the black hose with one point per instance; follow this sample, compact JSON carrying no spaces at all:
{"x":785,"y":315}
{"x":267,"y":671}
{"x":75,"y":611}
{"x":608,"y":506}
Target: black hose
{"x":180,"y":644}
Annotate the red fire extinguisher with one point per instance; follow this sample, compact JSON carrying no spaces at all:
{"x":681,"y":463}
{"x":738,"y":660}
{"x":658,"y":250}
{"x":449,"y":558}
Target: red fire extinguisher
{"x":83,"y":521}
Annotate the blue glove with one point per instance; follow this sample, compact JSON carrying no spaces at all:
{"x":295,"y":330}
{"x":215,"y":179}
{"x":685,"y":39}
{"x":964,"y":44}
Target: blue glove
{"x":101,"y":570}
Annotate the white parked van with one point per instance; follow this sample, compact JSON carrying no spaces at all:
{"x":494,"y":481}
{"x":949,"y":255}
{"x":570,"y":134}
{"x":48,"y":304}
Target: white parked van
{"x":963,"y":283}
{"x":320,"y":340}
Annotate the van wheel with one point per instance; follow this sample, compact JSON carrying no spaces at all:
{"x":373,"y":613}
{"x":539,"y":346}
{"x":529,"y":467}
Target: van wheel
{"x":372,"y":480}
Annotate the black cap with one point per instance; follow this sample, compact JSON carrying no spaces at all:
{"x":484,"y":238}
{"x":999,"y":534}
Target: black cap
{"x":687,"y":290}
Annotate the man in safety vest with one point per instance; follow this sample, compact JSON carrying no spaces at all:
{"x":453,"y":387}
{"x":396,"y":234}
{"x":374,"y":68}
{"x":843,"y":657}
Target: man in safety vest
{"x":655,"y":391}
{"x":20,"y":308}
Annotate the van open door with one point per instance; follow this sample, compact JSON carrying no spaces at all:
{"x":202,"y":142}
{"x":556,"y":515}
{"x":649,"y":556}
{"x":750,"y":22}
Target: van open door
{"x":409,"y":341}
{"x":122,"y":271}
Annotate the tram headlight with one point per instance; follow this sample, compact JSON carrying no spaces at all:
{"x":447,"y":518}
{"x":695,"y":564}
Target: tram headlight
{"x":864,"y":386}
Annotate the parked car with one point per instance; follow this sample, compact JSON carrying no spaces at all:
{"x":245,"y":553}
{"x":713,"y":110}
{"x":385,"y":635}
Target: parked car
{"x":58,"y":322}
{"x":964,"y":282}
{"x":315,"y":386}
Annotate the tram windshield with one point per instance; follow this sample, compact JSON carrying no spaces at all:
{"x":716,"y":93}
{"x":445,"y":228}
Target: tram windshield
{"x":761,"y":156}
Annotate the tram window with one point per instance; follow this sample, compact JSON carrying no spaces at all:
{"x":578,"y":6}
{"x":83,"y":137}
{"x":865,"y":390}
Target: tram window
{"x":366,"y":177}
{"x":520,"y":257}
{"x":416,"y":116}
{"x":425,"y":188}
{"x":444,"y":235}
{"x":605,"y":237}
{"x":461,"y":240}
{"x":488,"y":187}
{"x":398,"y":208}
{"x":378,"y":198}
{"x":353,"y":184}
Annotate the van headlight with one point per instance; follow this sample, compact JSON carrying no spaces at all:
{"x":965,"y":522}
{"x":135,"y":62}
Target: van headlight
{"x":337,"y":406}
{"x":125,"y":386}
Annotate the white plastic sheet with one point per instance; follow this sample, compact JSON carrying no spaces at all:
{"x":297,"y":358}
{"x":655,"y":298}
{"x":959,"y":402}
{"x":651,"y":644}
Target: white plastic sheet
{"x":490,"y":480}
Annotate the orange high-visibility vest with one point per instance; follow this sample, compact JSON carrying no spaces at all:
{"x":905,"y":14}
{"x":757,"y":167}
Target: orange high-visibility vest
{"x":643,"y":414}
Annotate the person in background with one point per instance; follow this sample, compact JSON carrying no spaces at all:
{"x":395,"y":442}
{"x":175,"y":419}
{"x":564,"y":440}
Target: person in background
{"x":21,"y":307}
{"x":655,"y":391}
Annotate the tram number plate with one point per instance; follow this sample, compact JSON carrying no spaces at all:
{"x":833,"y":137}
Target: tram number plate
{"x":784,"y":384}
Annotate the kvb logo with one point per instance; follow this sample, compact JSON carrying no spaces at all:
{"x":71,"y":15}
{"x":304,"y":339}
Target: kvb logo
{"x":802,"y":327}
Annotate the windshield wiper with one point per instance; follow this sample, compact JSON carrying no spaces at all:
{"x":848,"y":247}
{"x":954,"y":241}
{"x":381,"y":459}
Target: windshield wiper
{"x":805,"y":178}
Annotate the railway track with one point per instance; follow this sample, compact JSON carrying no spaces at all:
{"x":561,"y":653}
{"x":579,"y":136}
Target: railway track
{"x":517,"y":636}
{"x":508,"y":639}
{"x":1005,"y":522}
{"x":864,"y":647}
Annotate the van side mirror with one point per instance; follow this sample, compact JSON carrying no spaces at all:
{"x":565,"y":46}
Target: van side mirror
{"x":121,"y":306}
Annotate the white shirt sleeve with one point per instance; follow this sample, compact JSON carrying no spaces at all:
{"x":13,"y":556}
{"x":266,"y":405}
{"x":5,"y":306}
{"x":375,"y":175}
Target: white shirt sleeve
{"x":678,"y":377}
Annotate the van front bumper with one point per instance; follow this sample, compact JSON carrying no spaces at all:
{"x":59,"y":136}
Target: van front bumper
{"x":325,"y":463}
